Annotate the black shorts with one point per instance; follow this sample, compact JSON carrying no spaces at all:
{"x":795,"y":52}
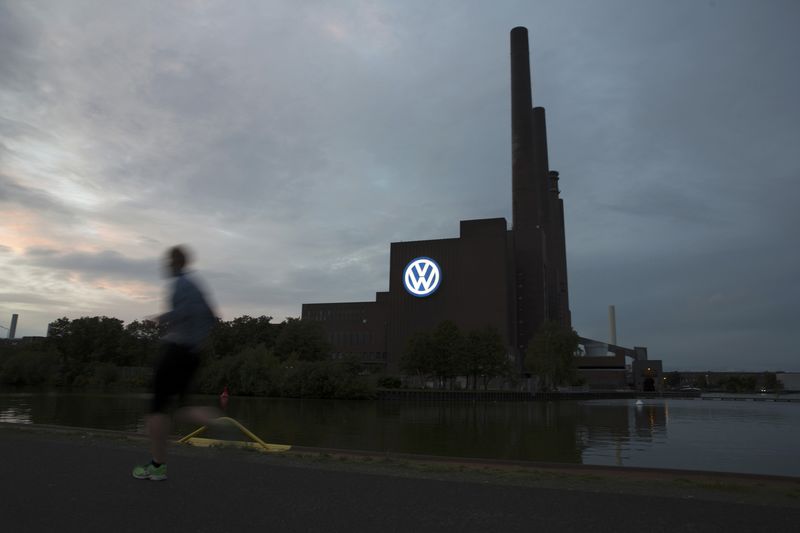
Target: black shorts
{"x":174,"y":370}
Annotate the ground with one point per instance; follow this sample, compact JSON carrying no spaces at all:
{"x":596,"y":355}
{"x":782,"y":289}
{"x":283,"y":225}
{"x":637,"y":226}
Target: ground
{"x":76,"y":480}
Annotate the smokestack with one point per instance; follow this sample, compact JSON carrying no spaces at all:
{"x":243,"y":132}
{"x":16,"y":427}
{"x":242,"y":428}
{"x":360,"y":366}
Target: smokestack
{"x":612,"y":325}
{"x":521,"y":127}
{"x":541,"y":167}
{"x":529,"y":194}
{"x":13,"y":329}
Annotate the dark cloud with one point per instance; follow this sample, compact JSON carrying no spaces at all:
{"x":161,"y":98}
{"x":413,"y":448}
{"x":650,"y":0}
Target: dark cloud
{"x":291,"y":144}
{"x":17,"y":37}
{"x":31,"y":198}
{"x":16,"y":298}
{"x":107,"y":264}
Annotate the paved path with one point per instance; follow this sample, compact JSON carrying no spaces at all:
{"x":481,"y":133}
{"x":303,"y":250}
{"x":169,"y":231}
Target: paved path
{"x":65,"y":483}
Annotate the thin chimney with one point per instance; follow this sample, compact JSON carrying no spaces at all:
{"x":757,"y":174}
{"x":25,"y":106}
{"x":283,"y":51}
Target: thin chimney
{"x":13,"y":329}
{"x":612,"y":325}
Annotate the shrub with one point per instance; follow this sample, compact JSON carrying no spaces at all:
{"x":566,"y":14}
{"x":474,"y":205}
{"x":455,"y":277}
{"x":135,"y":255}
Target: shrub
{"x":103,"y":374}
{"x":389,"y":382}
{"x":26,"y":367}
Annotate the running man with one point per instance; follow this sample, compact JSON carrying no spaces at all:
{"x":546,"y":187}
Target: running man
{"x":188,"y":324}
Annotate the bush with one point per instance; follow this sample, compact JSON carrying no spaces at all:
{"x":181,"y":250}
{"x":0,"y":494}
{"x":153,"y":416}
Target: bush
{"x":26,"y":367}
{"x":258,"y":374}
{"x":215,"y":374}
{"x":323,"y":379}
{"x":389,"y":382}
{"x":103,"y":374}
{"x":257,"y":371}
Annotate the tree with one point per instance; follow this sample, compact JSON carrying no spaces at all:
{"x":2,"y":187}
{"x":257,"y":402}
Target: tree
{"x":418,"y":356}
{"x":738,"y":383}
{"x":550,"y":354}
{"x":228,"y":338}
{"x":140,"y":342}
{"x":86,"y":341}
{"x":484,"y":356}
{"x":771,"y":382}
{"x":304,"y":339}
{"x":447,"y":348}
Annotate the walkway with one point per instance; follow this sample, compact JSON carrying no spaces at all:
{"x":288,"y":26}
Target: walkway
{"x":52,"y":481}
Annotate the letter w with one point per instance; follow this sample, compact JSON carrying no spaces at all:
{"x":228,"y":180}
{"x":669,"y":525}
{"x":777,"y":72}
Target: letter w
{"x":422,"y":276}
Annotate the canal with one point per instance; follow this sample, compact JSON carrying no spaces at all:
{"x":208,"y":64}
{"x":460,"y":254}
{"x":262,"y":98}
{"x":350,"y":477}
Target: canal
{"x":734,"y":436}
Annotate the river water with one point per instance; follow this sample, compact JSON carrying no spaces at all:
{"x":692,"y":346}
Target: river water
{"x":731,"y":436}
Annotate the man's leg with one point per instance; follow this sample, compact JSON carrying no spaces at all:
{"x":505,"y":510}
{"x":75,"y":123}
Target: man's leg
{"x":158,"y":428}
{"x":158,"y":421}
{"x":202,"y":415}
{"x":158,"y":425}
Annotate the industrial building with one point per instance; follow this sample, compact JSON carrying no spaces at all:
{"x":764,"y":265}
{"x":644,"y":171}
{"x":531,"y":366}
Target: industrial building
{"x":513,"y":279}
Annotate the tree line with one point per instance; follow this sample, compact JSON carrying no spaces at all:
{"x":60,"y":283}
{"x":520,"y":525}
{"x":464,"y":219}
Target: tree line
{"x":250,"y":355}
{"x":446,"y":352}
{"x":254,"y":356}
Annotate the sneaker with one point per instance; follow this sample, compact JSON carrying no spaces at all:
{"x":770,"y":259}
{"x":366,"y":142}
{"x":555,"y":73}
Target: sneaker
{"x":149,"y":471}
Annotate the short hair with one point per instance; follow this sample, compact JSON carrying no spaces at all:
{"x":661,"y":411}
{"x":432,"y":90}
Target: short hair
{"x":179,"y":256}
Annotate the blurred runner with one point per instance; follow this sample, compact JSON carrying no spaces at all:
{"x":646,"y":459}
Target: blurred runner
{"x":188,"y":324}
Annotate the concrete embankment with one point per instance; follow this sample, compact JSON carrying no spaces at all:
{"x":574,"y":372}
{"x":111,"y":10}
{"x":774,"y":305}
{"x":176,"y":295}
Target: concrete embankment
{"x":519,"y":396}
{"x":79,"y":480}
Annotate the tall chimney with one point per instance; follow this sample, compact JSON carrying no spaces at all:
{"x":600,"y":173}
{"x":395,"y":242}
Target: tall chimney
{"x":612,"y":325}
{"x":541,"y":168}
{"x":13,"y":329}
{"x":528,"y":196}
{"x":521,"y":127}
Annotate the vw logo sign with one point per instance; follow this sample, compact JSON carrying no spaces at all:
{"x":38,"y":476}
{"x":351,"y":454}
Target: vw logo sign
{"x":422,"y":277}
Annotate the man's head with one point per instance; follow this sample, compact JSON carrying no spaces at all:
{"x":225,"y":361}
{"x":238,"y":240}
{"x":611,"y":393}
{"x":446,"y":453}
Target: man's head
{"x":177,"y":259}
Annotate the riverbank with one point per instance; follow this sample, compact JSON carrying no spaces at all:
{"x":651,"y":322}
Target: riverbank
{"x":521,"y":396}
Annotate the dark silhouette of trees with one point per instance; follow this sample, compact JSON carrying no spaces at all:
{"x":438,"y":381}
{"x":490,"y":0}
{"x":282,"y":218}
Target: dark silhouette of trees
{"x":485,"y":356}
{"x":771,"y":383}
{"x":417,"y":358}
{"x":302,"y":339}
{"x":86,"y":343}
{"x":445,"y":352}
{"x":242,"y":332}
{"x":448,"y":346}
{"x":91,"y":351}
{"x":550,"y":354}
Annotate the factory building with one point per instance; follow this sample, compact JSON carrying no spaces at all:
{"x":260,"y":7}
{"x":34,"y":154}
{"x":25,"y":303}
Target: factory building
{"x":512,"y":279}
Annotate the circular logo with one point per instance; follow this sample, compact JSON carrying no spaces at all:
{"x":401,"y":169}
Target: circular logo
{"x":422,"y":277}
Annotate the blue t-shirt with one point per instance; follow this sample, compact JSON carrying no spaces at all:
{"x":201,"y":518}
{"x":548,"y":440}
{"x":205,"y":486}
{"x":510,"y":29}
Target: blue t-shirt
{"x":191,"y":318}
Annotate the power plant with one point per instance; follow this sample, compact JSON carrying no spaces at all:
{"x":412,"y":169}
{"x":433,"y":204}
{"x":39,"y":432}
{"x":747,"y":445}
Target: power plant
{"x":511,"y":279}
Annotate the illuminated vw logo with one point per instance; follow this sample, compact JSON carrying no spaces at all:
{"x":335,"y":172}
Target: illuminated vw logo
{"x":422,"y":276}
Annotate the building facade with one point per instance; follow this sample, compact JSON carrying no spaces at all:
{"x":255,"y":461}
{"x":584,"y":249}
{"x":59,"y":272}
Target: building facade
{"x":512,"y":279}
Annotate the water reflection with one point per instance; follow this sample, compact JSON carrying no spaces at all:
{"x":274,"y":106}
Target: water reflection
{"x":544,"y":431}
{"x":104,"y":411}
{"x":16,"y":415}
{"x":733,"y":436}
{"x":611,"y":429}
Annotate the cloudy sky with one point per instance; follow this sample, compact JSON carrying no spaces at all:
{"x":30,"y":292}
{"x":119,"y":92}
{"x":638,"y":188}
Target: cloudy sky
{"x":288,"y":143}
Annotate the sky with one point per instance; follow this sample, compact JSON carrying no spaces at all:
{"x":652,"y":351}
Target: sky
{"x":289,"y":143}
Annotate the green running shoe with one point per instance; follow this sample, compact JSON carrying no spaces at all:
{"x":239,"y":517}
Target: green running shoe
{"x":148,"y":471}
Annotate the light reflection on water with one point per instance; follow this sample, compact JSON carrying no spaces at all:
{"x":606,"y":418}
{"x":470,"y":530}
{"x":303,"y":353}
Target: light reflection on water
{"x":16,"y":416}
{"x":756,"y":437}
